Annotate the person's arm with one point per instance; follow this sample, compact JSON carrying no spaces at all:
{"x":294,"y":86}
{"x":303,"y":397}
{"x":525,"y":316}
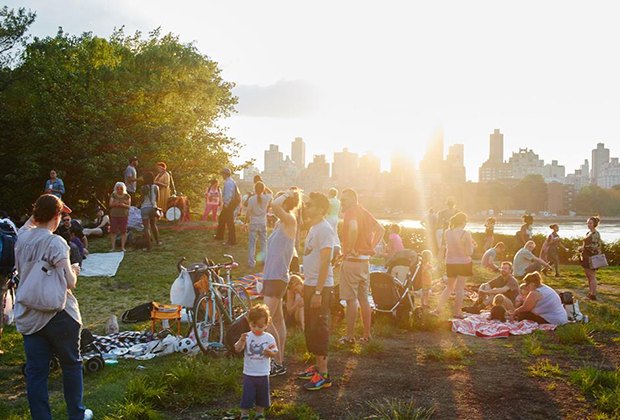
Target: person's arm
{"x":129,"y":176}
{"x":325,"y":256}
{"x":240,"y":344}
{"x":469,"y":243}
{"x":71,"y":272}
{"x":377,"y":233}
{"x":530,"y":302}
{"x":285,"y":217}
{"x":104,"y":221}
{"x":61,"y":186}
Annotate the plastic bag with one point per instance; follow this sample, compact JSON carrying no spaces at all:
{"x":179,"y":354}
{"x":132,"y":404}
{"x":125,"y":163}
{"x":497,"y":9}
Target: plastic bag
{"x":182,"y":290}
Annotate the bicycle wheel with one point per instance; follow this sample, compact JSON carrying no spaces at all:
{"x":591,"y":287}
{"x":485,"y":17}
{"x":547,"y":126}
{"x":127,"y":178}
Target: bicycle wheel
{"x":208,"y":323}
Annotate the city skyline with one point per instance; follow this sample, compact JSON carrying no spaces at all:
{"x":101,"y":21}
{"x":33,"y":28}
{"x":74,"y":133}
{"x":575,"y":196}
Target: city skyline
{"x":386,"y":80}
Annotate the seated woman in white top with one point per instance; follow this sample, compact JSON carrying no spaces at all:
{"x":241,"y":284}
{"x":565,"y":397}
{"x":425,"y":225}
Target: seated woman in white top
{"x":542,"y":304}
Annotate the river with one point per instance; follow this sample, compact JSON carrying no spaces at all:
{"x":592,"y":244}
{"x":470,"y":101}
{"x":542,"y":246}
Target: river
{"x":610,"y":232}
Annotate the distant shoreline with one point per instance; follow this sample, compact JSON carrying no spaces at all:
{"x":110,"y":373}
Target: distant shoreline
{"x":498,"y":219}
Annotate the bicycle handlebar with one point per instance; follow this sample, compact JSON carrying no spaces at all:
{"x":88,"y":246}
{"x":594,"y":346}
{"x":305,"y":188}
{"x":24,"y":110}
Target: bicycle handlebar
{"x":229,"y":264}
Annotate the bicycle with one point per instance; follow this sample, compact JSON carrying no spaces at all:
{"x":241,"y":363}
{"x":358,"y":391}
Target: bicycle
{"x":220,"y":304}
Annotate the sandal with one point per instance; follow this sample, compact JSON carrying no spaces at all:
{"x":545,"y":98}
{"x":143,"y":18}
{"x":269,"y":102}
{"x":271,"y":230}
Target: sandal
{"x":365,"y":340}
{"x":346,"y":341}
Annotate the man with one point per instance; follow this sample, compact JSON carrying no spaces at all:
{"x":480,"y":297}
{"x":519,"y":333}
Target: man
{"x":504,"y":284}
{"x":68,"y":227}
{"x":231,"y":198}
{"x":526,"y":262}
{"x":131,"y":178}
{"x":361,"y":233}
{"x":318,"y":289}
{"x":54,"y":185}
{"x":488,"y":259}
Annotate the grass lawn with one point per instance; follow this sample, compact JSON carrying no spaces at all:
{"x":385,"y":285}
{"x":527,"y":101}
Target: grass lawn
{"x":403,"y":373}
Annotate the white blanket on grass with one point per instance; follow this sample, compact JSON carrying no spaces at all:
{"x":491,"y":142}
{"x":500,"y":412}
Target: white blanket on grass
{"x":101,"y":265}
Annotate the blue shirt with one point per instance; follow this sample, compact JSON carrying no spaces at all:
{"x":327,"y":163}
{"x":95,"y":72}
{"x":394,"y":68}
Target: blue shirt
{"x":57,"y":185}
{"x":229,"y":190}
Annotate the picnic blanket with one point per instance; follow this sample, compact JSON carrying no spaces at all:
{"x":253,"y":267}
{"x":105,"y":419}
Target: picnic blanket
{"x":101,"y":265}
{"x":250,"y":283}
{"x":481,"y":326}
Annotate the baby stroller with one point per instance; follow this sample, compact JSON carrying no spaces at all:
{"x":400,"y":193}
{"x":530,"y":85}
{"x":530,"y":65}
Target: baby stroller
{"x":393,"y":297}
{"x":402,"y":264}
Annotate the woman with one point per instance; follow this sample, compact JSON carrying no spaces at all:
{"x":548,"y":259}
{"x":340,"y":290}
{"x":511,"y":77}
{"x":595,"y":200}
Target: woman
{"x":120,"y":201}
{"x":489,"y":237}
{"x":334,"y":209}
{"x":54,"y":185}
{"x":525,"y":232}
{"x":459,"y":248}
{"x":542,"y":304}
{"x":150,"y":192}
{"x":48,"y":333}
{"x":591,"y":246}
{"x":213,"y":200}
{"x":550,"y":249}
{"x":100,"y":226}
{"x":256,"y":219}
{"x":281,"y":246}
{"x":162,"y":180}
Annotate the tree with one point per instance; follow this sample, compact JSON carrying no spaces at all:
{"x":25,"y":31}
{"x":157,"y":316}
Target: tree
{"x":530,"y":193}
{"x":13,"y":27}
{"x":83,"y":105}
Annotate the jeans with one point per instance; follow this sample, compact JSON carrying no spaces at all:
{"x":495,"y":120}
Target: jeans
{"x":226,"y":219}
{"x":261,"y":232}
{"x":61,"y":336}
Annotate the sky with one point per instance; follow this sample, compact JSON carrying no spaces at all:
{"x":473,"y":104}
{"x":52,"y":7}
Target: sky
{"x":383,"y":77}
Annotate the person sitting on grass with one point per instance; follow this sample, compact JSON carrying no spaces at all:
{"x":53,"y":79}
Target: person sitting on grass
{"x":295,"y":302}
{"x":504,"y":284}
{"x":526,"y":262}
{"x":501,"y":300}
{"x":542,"y":304}
{"x":488,"y":259}
{"x":522,"y":295}
{"x":259,"y":347}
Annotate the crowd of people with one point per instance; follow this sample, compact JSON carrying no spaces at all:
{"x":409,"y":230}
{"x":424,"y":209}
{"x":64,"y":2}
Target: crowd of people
{"x":305,"y":299}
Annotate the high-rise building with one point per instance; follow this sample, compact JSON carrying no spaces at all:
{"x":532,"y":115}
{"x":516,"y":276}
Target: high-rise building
{"x":495,"y":168}
{"x":609,"y":175}
{"x":316,"y":176}
{"x":525,"y":162}
{"x":454,"y":166}
{"x":496,"y":147}
{"x":600,"y":156}
{"x":402,"y":170}
{"x":554,"y":172}
{"x":298,"y":153}
{"x":581,"y":177}
{"x":344,"y":168}
{"x":273,"y":159}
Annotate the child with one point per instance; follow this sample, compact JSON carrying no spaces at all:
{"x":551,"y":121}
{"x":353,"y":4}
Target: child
{"x":260,"y":347}
{"x":395,"y":242}
{"x":522,"y":295}
{"x":501,"y":300}
{"x":427,"y":276}
{"x":295,"y":302}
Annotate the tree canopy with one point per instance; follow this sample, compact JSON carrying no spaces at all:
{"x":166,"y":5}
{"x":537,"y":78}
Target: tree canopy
{"x":83,"y":104}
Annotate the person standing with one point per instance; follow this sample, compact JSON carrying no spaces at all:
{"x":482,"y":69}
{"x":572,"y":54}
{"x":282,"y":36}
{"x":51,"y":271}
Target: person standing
{"x":162,"y":180}
{"x":551,"y":248}
{"x":591,"y":246}
{"x":131,"y":178}
{"x":361,"y":233}
{"x":429,"y":223}
{"x":443,"y":222}
{"x":54,"y":185}
{"x":489,"y":236}
{"x":525,"y":233}
{"x":256,"y":218}
{"x":213,"y":200}
{"x":334,"y":209}
{"x":48,"y":333}
{"x":231,"y":200}
{"x":120,"y":202}
{"x":318,"y":289}
{"x":150,"y":192}
{"x":459,"y":249}
{"x":281,"y":247}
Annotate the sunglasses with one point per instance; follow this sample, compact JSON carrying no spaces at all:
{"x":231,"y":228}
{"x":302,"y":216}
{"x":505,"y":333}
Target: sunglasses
{"x":66,"y":220}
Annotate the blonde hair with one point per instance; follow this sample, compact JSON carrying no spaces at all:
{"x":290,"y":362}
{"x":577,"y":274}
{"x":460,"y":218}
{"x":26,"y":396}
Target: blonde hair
{"x":426,"y":255}
{"x":121,"y":184}
{"x":498,"y":300}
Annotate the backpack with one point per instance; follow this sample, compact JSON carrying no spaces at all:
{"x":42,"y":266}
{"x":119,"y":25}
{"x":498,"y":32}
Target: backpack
{"x":8,"y":237}
{"x":138,"y":314}
{"x":236,"y":199}
{"x":233,"y":332}
{"x":571,"y":306}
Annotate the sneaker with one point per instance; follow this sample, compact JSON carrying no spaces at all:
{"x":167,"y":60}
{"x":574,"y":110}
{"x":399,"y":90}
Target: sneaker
{"x":318,"y":381}
{"x":308,"y":373}
{"x":277,"y":369}
{"x":88,"y":414}
{"x":346,"y":341}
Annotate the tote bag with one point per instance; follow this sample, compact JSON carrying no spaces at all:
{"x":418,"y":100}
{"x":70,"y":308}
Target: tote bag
{"x":45,"y":288}
{"x":598,"y":261}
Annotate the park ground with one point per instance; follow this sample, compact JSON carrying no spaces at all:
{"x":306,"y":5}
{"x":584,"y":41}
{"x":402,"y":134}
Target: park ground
{"x":401,"y":374}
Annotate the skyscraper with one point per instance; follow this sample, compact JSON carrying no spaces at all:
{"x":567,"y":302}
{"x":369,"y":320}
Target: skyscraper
{"x":273,"y":159}
{"x":496,"y":147}
{"x":600,"y":157}
{"x":298,"y":153}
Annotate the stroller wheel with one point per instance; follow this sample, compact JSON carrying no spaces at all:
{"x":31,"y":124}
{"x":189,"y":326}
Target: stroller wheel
{"x":94,"y":364}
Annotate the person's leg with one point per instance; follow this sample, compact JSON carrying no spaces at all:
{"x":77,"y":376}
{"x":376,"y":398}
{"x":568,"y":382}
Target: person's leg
{"x":147,"y":233}
{"x":252,"y":232}
{"x":531,"y":317}
{"x":591,"y":275}
{"x":348,"y":292}
{"x":221,"y":223}
{"x":214,"y":212}
{"x":248,"y":396}
{"x":362,"y":295}
{"x":272,"y":303}
{"x":230,"y":221}
{"x":38,"y":355}
{"x":280,"y":326}
{"x":155,"y":229}
{"x":64,"y":334}
{"x":299,"y":318}
{"x":460,"y":293}
{"x":262,"y":239}
{"x":443,"y":298}
{"x":112,"y":240}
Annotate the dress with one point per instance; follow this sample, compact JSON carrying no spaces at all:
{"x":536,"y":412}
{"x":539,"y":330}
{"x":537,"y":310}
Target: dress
{"x":163,"y":181}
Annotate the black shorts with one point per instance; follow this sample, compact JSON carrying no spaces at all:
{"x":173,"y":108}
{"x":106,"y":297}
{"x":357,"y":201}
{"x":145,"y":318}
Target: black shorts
{"x":274,"y":288}
{"x":316,"y":321}
{"x":463,"y":270}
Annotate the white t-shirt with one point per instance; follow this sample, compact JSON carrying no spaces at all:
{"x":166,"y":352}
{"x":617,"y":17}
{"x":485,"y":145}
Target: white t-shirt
{"x":255,"y":363}
{"x":320,"y":236}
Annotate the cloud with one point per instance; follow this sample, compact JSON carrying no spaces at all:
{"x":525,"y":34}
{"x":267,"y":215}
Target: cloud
{"x":283,"y":99}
